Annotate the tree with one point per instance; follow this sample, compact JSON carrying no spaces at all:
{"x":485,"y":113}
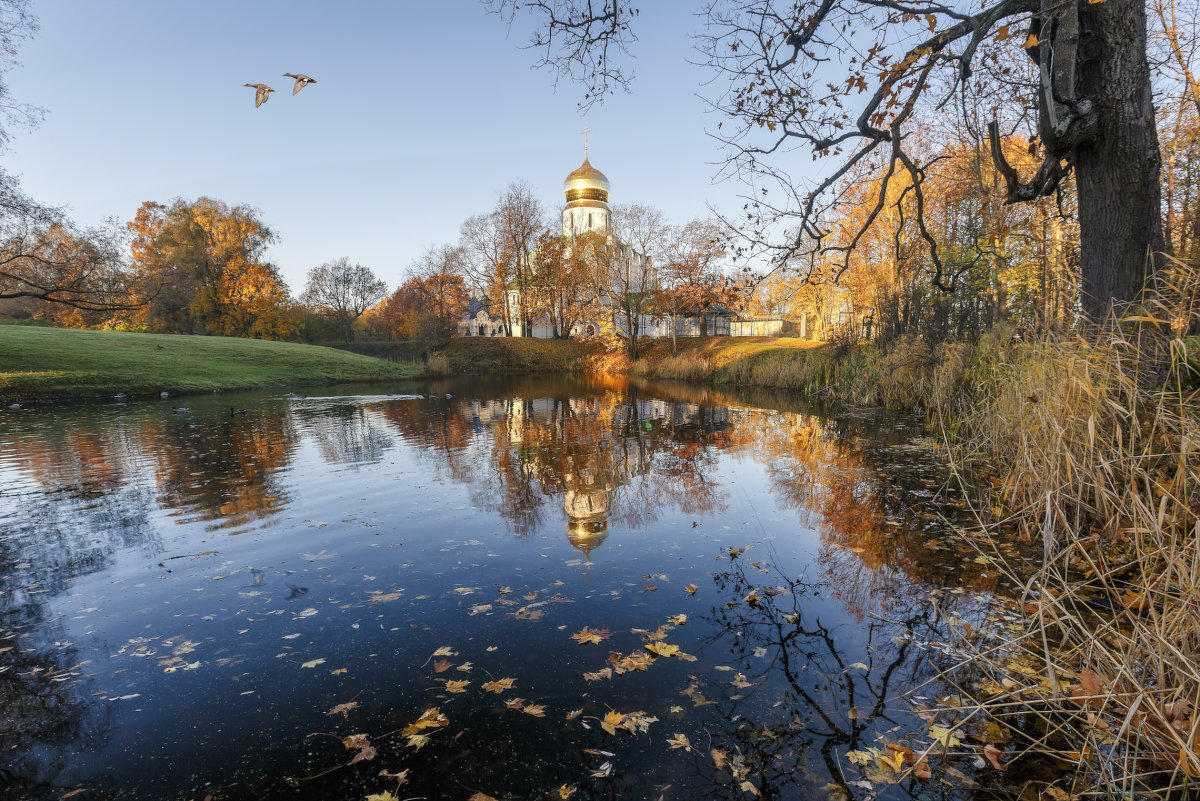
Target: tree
{"x":487,"y":262}
{"x":343,"y":291}
{"x":43,"y":255}
{"x":622,"y":267}
{"x":1086,"y":80}
{"x":691,"y":274}
{"x":519,"y":220}
{"x":210,"y":260}
{"x":561,"y":278}
{"x":439,"y":280}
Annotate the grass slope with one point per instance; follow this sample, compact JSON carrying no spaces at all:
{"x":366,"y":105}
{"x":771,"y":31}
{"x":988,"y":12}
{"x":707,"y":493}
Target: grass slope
{"x":66,"y":363}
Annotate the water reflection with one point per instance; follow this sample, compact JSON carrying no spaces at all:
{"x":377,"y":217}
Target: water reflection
{"x":99,"y":505}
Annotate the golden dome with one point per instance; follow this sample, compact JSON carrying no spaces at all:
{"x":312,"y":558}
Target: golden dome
{"x":586,"y":183}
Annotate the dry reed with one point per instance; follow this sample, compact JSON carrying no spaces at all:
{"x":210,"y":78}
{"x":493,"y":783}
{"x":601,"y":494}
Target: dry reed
{"x":1093,"y":451}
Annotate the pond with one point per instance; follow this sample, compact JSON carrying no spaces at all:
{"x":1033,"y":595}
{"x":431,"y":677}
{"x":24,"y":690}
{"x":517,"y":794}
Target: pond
{"x":535,"y":589}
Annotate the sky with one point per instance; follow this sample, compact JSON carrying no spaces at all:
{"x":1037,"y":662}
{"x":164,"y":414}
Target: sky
{"x":423,"y":112}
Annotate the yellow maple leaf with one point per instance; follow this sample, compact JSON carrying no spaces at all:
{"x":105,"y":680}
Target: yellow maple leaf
{"x":943,"y":735}
{"x":586,"y":635}
{"x":457,"y":686}
{"x":678,"y":620}
{"x":859,"y":757}
{"x":343,"y":709}
{"x":611,"y":721}
{"x":566,"y":791}
{"x":574,"y":713}
{"x":680,"y":741}
{"x":313,"y":663}
{"x":384,"y":796}
{"x":691,"y":588}
{"x":445,"y":650}
{"x":499,"y":685}
{"x":418,"y":741}
{"x":537,"y":710}
{"x":662,"y":648}
{"x":895,"y":761}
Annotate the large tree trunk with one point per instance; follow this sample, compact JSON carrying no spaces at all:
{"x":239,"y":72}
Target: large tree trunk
{"x":1117,"y":172}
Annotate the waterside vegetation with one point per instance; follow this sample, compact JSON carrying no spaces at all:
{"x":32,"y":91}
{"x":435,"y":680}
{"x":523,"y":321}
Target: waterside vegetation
{"x":55,"y":363}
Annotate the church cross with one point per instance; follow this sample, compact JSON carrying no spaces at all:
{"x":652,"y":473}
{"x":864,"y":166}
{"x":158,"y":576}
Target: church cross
{"x":586,"y":131}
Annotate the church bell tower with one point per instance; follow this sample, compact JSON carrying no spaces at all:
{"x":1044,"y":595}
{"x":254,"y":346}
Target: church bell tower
{"x":586,"y":193}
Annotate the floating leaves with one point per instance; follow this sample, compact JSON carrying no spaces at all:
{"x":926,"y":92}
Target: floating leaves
{"x":431,"y":718}
{"x":679,"y":741}
{"x":366,"y":751}
{"x":678,"y":620}
{"x":691,"y":589}
{"x":662,"y":648}
{"x":457,"y":686}
{"x":632,"y":722}
{"x":313,"y":663}
{"x":343,"y":709}
{"x":594,"y":636}
{"x":499,"y":685}
{"x":537,"y":710}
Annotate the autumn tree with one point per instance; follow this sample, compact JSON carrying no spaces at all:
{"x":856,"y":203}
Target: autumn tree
{"x":210,"y":260}
{"x":622,"y":267}
{"x":561,"y":282}
{"x":690,"y":275}
{"x":343,"y":291}
{"x":1078,"y":68}
{"x":487,"y":263}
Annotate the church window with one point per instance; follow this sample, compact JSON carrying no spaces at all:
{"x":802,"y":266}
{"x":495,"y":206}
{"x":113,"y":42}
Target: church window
{"x":589,"y":220}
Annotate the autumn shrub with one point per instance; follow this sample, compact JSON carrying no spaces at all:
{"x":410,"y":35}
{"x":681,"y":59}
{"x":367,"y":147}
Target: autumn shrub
{"x":1091,"y":448}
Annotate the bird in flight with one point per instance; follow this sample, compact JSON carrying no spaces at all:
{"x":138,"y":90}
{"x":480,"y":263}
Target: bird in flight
{"x":302,"y":80}
{"x":262,"y":92}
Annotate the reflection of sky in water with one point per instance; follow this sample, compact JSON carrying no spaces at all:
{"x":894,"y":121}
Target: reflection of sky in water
{"x":146,"y":658}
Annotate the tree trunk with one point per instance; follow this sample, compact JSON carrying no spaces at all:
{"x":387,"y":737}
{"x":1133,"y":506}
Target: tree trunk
{"x":1117,"y":173}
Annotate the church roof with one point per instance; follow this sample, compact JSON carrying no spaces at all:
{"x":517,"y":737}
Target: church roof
{"x":586,"y":183}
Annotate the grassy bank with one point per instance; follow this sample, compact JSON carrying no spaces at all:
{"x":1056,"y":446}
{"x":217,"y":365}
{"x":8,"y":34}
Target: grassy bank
{"x":515,"y":356}
{"x":48,"y":363}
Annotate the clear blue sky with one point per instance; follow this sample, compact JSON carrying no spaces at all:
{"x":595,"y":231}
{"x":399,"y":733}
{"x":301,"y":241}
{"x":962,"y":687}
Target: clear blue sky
{"x":424,"y":111}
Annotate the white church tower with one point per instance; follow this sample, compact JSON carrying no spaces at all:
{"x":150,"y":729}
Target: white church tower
{"x":586,"y":192}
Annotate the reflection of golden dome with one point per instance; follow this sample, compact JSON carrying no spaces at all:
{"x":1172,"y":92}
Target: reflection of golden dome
{"x":586,"y":535}
{"x":586,"y":186}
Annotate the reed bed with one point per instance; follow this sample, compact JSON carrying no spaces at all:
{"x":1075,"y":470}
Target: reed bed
{"x":1090,"y":448}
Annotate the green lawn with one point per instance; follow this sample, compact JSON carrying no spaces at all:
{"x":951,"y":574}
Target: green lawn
{"x":65,"y":363}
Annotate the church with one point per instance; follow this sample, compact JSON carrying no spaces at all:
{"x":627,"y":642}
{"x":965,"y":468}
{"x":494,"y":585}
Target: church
{"x":586,"y":192}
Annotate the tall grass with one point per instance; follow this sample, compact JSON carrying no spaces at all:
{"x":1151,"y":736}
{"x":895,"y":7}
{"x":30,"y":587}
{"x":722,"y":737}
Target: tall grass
{"x":1093,"y":450}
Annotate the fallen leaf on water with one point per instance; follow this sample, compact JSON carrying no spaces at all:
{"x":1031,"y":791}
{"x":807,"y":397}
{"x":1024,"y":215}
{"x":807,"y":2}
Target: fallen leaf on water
{"x":418,"y":741}
{"x":481,"y":797}
{"x":566,"y":791}
{"x":599,"y":674}
{"x":399,"y":778}
{"x":747,"y":787}
{"x":430,"y":719}
{"x":662,"y":648}
{"x":995,"y":756}
{"x":515,"y":703}
{"x":720,"y":759}
{"x":648,"y":587}
{"x":366,"y":751}
{"x":922,"y":770}
{"x":337,"y":672}
{"x":465,"y":667}
{"x":499,"y":685}
{"x":442,"y":666}
{"x":457,"y":686}
{"x":313,"y":663}
{"x":637,"y":721}
{"x":479,"y":609}
{"x":71,"y":794}
{"x":611,"y":721}
{"x":859,"y":757}
{"x":943,"y":735}
{"x":895,"y":761}
{"x":309,"y":612}
{"x":445,"y":650}
{"x":343,"y":709}
{"x":680,"y":741}
{"x":531,"y":596}
{"x":505,"y":590}
{"x":537,"y":710}
{"x":594,"y":636}
{"x":678,"y":620}
{"x":384,"y":796}
{"x":734,"y":553}
{"x":574,"y":713}
{"x":691,"y":589}
{"x":793,"y":619}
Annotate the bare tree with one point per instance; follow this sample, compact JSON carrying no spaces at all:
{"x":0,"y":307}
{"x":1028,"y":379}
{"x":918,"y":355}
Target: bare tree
{"x":343,"y":291}
{"x":487,"y":263}
{"x":623,"y":266}
{"x":520,"y":217}
{"x":43,"y":255}
{"x":1087,"y":85}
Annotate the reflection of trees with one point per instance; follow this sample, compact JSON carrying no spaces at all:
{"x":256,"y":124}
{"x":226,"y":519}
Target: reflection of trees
{"x":806,"y":698}
{"x":223,"y":469}
{"x":346,"y":433}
